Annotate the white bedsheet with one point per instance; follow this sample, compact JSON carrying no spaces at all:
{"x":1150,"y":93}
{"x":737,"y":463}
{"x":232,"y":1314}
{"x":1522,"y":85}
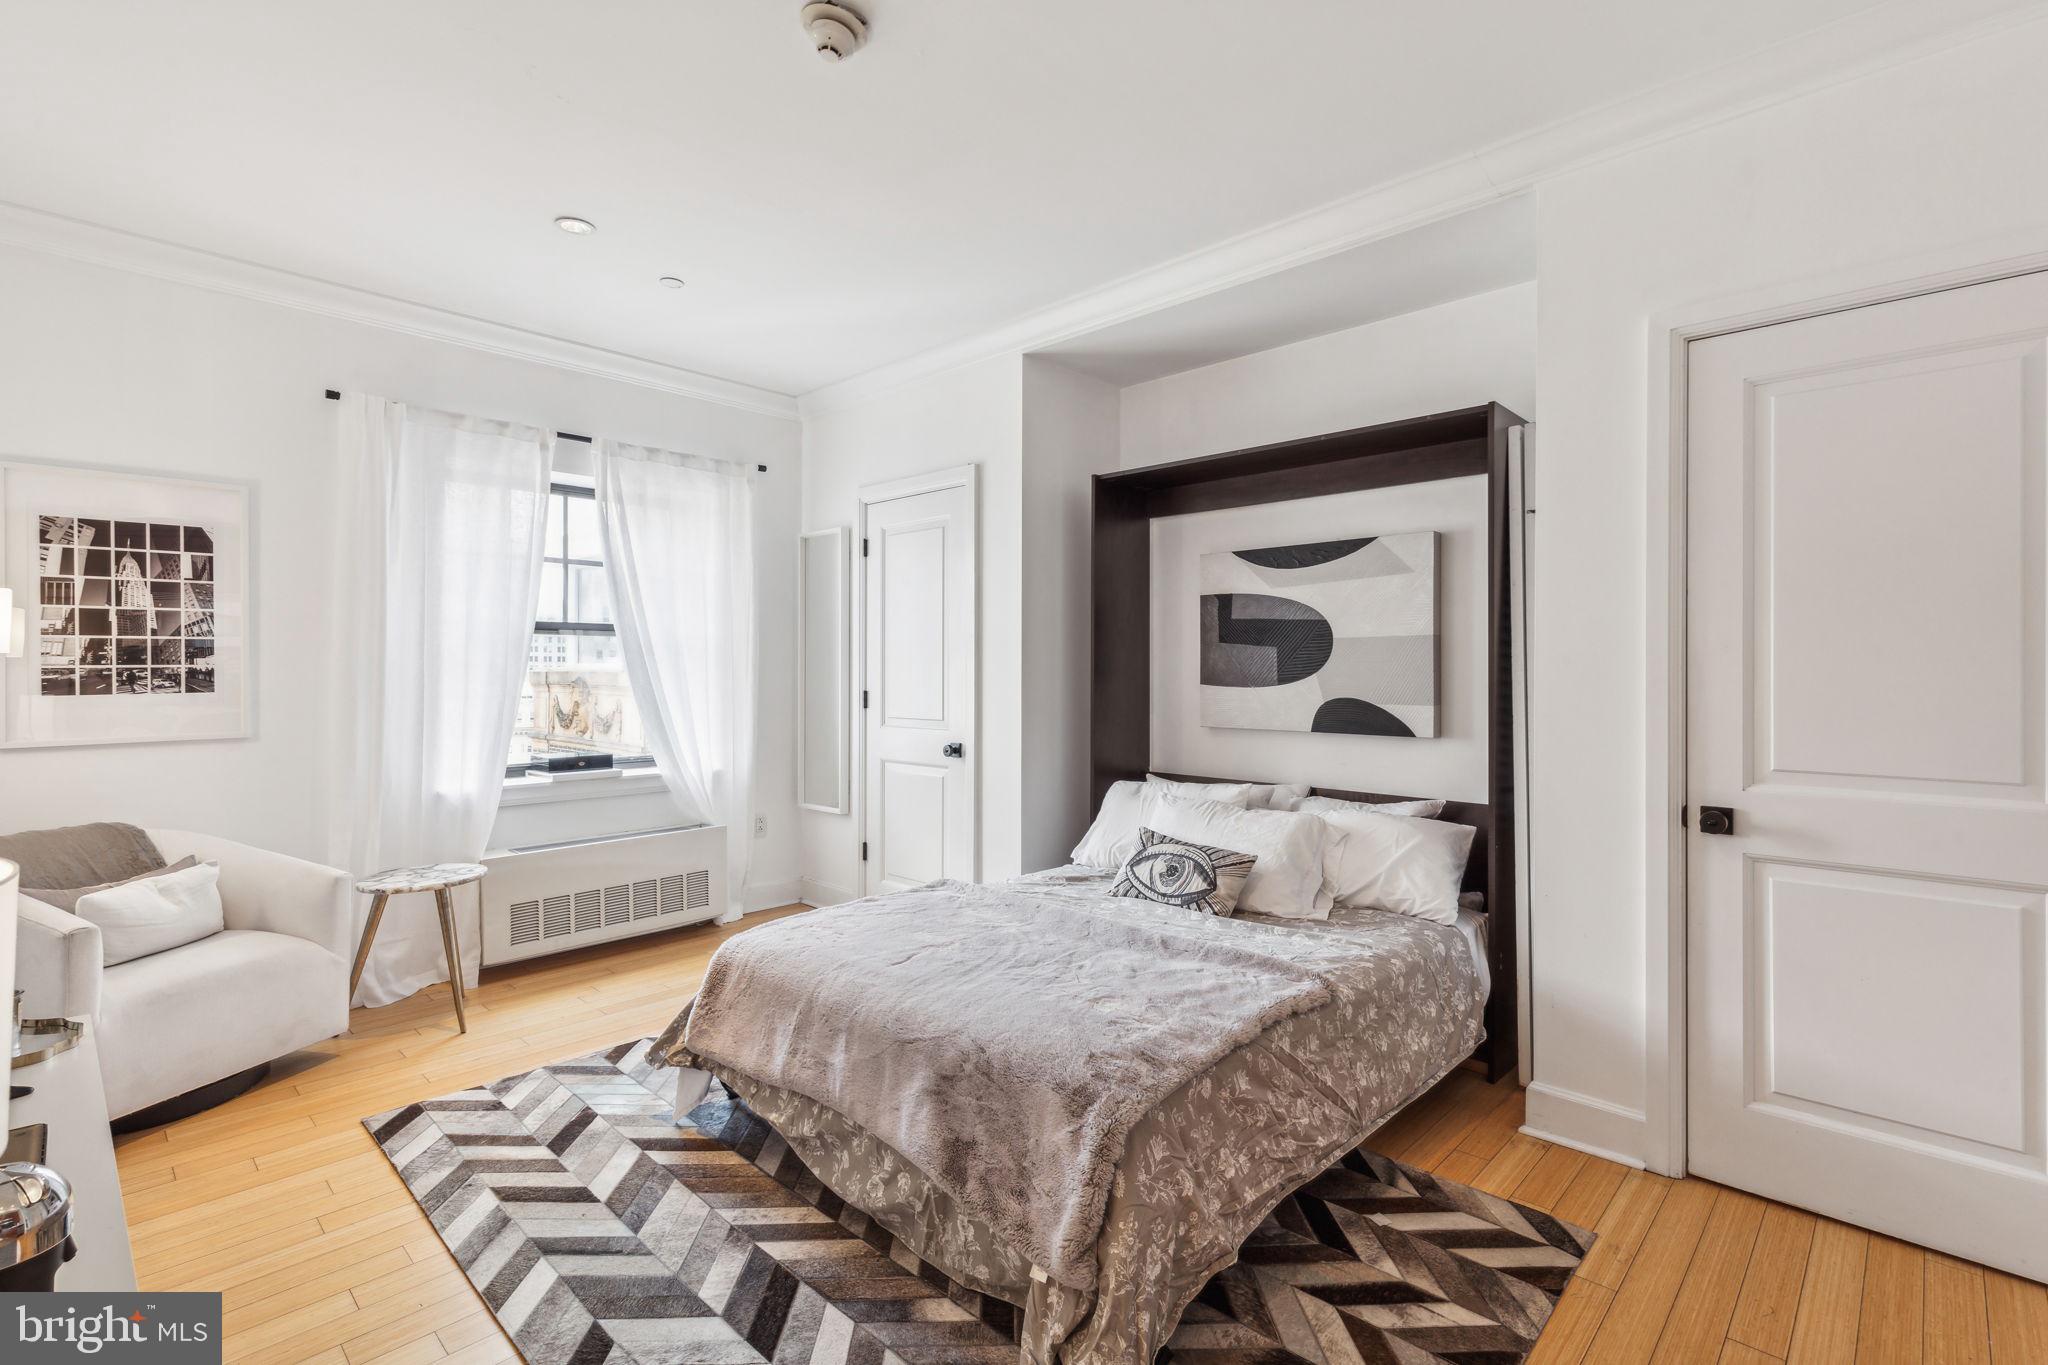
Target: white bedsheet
{"x":1472,"y":928}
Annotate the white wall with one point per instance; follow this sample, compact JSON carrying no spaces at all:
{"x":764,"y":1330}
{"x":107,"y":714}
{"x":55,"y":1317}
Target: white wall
{"x":1460,"y":354}
{"x":1036,"y":431}
{"x":1070,"y":435}
{"x":967,"y":416}
{"x":1474,"y":350}
{"x":103,"y":367}
{"x":1926,"y":164}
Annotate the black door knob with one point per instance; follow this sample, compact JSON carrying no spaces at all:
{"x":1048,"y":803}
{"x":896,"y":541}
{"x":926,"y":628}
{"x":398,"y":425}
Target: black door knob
{"x":1717,"y":820}
{"x":955,"y":749}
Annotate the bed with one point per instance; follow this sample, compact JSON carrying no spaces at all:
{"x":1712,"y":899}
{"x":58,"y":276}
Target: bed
{"x":1008,"y":1079}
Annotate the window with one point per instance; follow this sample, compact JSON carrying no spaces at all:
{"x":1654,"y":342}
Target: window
{"x":576,"y":698}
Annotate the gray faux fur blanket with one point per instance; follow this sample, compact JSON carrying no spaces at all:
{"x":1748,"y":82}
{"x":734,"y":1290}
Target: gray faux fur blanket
{"x":1003,"y":1042}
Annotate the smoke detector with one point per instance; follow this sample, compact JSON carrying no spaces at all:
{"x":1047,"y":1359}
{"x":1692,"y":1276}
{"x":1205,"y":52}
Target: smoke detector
{"x":835,"y":31}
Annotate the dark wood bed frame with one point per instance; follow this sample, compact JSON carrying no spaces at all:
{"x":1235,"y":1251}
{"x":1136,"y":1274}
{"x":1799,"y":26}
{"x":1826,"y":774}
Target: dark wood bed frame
{"x":1446,"y":445}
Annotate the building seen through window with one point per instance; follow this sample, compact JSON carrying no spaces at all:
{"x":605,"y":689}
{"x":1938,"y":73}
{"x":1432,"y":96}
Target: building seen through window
{"x":576,"y":698}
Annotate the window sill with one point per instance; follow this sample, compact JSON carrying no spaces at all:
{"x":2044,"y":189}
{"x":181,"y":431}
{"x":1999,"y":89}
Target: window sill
{"x":534,"y":790}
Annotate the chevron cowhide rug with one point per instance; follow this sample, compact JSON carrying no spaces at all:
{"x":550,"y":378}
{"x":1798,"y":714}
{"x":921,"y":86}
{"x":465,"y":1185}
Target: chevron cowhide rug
{"x":601,"y":1234}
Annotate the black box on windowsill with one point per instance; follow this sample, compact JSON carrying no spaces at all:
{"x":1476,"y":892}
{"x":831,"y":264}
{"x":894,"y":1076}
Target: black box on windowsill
{"x":569,"y":763}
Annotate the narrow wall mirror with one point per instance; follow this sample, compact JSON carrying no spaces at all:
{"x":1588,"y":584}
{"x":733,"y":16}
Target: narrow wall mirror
{"x":822,"y":665}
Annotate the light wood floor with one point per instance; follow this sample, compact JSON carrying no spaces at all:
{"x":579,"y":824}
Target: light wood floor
{"x":280,"y":1201}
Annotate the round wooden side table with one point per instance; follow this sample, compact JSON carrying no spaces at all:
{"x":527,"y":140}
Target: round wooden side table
{"x":439,"y":878}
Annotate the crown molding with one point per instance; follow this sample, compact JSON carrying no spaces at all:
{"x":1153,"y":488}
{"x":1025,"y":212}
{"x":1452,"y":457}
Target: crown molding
{"x":53,"y":235}
{"x":1849,"y":49}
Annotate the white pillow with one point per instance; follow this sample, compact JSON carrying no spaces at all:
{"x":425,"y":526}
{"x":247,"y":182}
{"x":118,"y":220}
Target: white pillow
{"x":1278,"y":795}
{"x":1114,"y":835}
{"x":1287,"y":881}
{"x":1401,"y":863}
{"x":1229,"y":793}
{"x":1326,"y":804}
{"x":156,"y":914}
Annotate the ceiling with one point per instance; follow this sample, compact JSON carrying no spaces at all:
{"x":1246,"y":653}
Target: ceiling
{"x":972,"y":165}
{"x":1483,"y":249}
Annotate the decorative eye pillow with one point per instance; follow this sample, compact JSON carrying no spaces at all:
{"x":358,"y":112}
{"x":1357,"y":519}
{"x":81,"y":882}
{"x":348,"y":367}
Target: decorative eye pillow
{"x":1114,"y":835}
{"x":1171,"y":871}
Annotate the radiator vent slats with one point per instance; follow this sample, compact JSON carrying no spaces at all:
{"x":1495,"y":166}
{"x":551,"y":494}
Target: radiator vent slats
{"x":554,"y":917}
{"x":568,"y":914}
{"x":525,"y":920}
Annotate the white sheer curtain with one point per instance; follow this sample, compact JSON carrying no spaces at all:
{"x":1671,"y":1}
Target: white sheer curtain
{"x":441,"y":522}
{"x":679,"y":550}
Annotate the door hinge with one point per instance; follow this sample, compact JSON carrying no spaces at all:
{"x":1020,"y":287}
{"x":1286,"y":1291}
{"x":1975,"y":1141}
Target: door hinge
{"x":863,"y":547}
{"x":863,"y":850}
{"x":1684,"y":811}
{"x":863,"y":699}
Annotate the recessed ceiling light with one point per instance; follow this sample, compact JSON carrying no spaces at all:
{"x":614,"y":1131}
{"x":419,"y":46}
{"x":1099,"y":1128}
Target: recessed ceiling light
{"x":582,"y":227}
{"x":671,"y":282}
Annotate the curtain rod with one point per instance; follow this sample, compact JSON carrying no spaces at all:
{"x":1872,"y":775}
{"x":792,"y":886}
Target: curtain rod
{"x":335,"y":395}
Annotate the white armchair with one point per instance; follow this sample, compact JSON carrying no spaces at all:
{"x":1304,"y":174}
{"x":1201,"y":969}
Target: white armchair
{"x":275,"y":980}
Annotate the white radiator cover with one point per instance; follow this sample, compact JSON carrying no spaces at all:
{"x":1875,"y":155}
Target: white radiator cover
{"x":552,"y":897}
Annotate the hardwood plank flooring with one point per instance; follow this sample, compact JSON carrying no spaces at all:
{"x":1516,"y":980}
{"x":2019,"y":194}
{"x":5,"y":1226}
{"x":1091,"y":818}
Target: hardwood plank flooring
{"x":1958,"y":1332}
{"x":1769,"y":1302}
{"x":1699,"y":1319}
{"x":279,"y":1200}
{"x":1894,"y":1294}
{"x":1831,"y":1302}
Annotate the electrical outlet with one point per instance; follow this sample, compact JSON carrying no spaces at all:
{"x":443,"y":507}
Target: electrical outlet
{"x":760,"y":827}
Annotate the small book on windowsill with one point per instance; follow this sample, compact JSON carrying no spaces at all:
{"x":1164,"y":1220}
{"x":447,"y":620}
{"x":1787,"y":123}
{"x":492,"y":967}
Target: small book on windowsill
{"x":571,"y":765}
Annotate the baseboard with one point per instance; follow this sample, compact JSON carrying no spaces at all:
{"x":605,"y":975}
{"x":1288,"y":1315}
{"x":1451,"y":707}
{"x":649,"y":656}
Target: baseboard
{"x":1585,"y":1124}
{"x":817,"y":894}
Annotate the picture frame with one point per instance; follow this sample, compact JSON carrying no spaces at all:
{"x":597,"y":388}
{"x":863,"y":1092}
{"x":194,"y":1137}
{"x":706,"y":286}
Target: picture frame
{"x":137,"y":587}
{"x":1330,"y":637}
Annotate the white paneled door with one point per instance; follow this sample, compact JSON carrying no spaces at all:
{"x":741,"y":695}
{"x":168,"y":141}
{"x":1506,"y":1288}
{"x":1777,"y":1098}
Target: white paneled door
{"x":920,"y":697}
{"x":1868,"y":845}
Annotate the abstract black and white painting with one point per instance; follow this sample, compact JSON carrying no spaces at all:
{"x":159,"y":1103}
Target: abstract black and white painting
{"x":1332,"y":636}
